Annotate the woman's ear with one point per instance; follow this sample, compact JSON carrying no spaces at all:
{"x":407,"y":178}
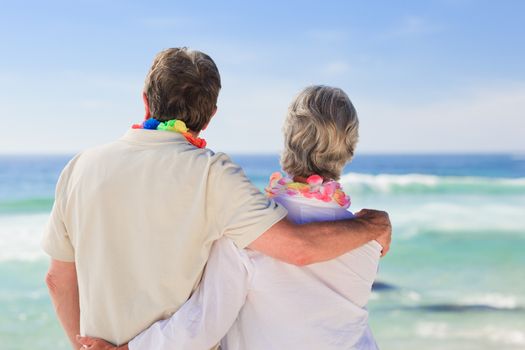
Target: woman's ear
{"x":212,"y":115}
{"x":146,"y":106}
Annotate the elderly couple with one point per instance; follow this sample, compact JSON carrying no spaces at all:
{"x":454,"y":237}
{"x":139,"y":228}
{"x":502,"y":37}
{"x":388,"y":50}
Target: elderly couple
{"x":157,"y":242}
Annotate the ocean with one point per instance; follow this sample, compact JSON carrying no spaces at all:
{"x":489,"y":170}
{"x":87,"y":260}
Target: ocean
{"x":454,"y":278}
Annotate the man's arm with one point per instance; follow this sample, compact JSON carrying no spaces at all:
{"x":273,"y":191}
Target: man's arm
{"x":242,"y":213}
{"x":320,"y":241}
{"x":62,"y":282}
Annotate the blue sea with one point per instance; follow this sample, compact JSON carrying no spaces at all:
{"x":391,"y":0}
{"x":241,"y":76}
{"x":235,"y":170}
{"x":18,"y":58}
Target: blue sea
{"x":454,"y":278}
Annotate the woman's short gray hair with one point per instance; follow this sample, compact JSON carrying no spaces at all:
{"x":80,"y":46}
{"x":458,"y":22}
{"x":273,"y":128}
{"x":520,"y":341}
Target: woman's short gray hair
{"x":320,"y":133}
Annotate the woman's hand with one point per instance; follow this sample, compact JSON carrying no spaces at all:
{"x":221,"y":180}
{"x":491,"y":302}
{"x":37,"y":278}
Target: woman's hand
{"x":98,"y":344}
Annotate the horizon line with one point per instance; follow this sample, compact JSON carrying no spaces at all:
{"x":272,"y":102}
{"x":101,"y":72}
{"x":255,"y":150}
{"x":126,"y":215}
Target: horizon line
{"x":277,"y":153}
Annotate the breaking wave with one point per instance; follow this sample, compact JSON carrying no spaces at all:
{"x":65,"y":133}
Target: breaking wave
{"x":420,"y":183}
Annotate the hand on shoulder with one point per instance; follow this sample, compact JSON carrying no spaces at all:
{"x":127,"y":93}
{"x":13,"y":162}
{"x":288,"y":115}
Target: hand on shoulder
{"x":379,"y":221}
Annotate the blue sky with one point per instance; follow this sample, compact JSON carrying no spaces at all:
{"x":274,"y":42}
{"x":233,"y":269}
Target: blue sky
{"x":425,"y":76}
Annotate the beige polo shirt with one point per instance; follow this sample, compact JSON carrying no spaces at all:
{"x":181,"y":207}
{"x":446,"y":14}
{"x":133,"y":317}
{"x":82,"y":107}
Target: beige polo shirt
{"x":138,"y":217}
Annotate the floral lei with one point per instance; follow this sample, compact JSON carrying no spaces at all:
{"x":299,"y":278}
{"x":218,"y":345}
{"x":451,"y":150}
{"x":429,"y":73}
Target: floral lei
{"x":173,"y":125}
{"x":313,"y":188}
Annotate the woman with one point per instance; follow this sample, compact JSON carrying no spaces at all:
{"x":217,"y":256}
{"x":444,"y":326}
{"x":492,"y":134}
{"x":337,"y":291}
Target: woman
{"x":248,"y":301}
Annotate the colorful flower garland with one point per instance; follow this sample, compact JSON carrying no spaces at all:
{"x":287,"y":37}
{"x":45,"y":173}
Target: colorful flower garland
{"x":313,"y":188}
{"x":173,"y":125}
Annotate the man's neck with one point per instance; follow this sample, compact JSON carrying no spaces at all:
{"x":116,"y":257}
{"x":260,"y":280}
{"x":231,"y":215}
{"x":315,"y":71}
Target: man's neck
{"x":194,"y":133}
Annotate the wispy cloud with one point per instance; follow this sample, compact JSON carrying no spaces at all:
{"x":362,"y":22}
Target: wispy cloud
{"x":489,"y":118}
{"x":413,"y":26}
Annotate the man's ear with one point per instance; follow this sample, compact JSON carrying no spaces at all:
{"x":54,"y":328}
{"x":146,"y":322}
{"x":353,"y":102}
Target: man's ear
{"x":212,"y":115}
{"x":146,"y":106}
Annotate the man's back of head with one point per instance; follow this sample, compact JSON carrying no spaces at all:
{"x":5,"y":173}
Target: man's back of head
{"x":183,"y":84}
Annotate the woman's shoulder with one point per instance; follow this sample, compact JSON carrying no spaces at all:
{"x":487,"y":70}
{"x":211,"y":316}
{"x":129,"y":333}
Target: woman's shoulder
{"x":302,"y":210}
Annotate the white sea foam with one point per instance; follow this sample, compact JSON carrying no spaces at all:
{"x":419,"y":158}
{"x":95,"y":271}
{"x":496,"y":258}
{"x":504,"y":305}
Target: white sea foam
{"x":413,"y":296}
{"x":384,"y":182}
{"x":388,"y":183}
{"x":491,"y":333}
{"x":427,"y":204}
{"x":20,"y":236}
{"x":457,"y":217}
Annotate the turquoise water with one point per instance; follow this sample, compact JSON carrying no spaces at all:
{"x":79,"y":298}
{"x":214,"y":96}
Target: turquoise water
{"x":454,"y":278}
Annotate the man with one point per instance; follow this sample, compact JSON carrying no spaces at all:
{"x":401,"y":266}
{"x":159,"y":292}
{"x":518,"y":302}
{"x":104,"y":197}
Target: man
{"x":134,"y":220}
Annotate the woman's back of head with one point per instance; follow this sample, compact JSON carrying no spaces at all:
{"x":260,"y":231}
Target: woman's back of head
{"x":320,"y":133}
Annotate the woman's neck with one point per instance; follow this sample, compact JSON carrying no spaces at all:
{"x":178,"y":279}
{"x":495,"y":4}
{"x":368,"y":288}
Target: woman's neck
{"x":303,"y":179}
{"x":300,"y":179}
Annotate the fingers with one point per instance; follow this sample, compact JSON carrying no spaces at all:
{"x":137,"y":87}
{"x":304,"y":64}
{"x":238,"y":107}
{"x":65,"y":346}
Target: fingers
{"x":385,"y":250}
{"x":379,"y":222}
{"x":359,"y":214}
{"x":377,"y":218}
{"x":85,"y":341}
{"x":372,"y":213}
{"x":92,"y":343}
{"x":362,"y":212}
{"x":386,"y":244}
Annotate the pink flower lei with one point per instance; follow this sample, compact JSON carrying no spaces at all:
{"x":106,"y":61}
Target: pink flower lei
{"x":313,"y":188}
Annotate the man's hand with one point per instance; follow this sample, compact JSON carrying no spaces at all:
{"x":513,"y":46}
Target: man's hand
{"x":98,"y":344}
{"x":379,"y":219}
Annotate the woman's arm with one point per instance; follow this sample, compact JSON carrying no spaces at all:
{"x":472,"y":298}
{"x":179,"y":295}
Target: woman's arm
{"x":208,"y":315}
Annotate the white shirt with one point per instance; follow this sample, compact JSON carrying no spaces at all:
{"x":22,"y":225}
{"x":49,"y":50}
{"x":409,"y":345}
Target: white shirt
{"x":254,"y":302}
{"x":138,"y":217}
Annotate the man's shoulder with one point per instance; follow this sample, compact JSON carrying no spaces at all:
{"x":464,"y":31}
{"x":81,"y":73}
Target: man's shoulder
{"x":200,"y":160}
{"x":222,"y":163}
{"x":72,"y":165}
{"x":96,"y":150}
{"x":219,"y":157}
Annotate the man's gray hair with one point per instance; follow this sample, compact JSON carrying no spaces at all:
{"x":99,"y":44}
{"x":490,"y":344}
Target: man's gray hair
{"x":320,"y":133}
